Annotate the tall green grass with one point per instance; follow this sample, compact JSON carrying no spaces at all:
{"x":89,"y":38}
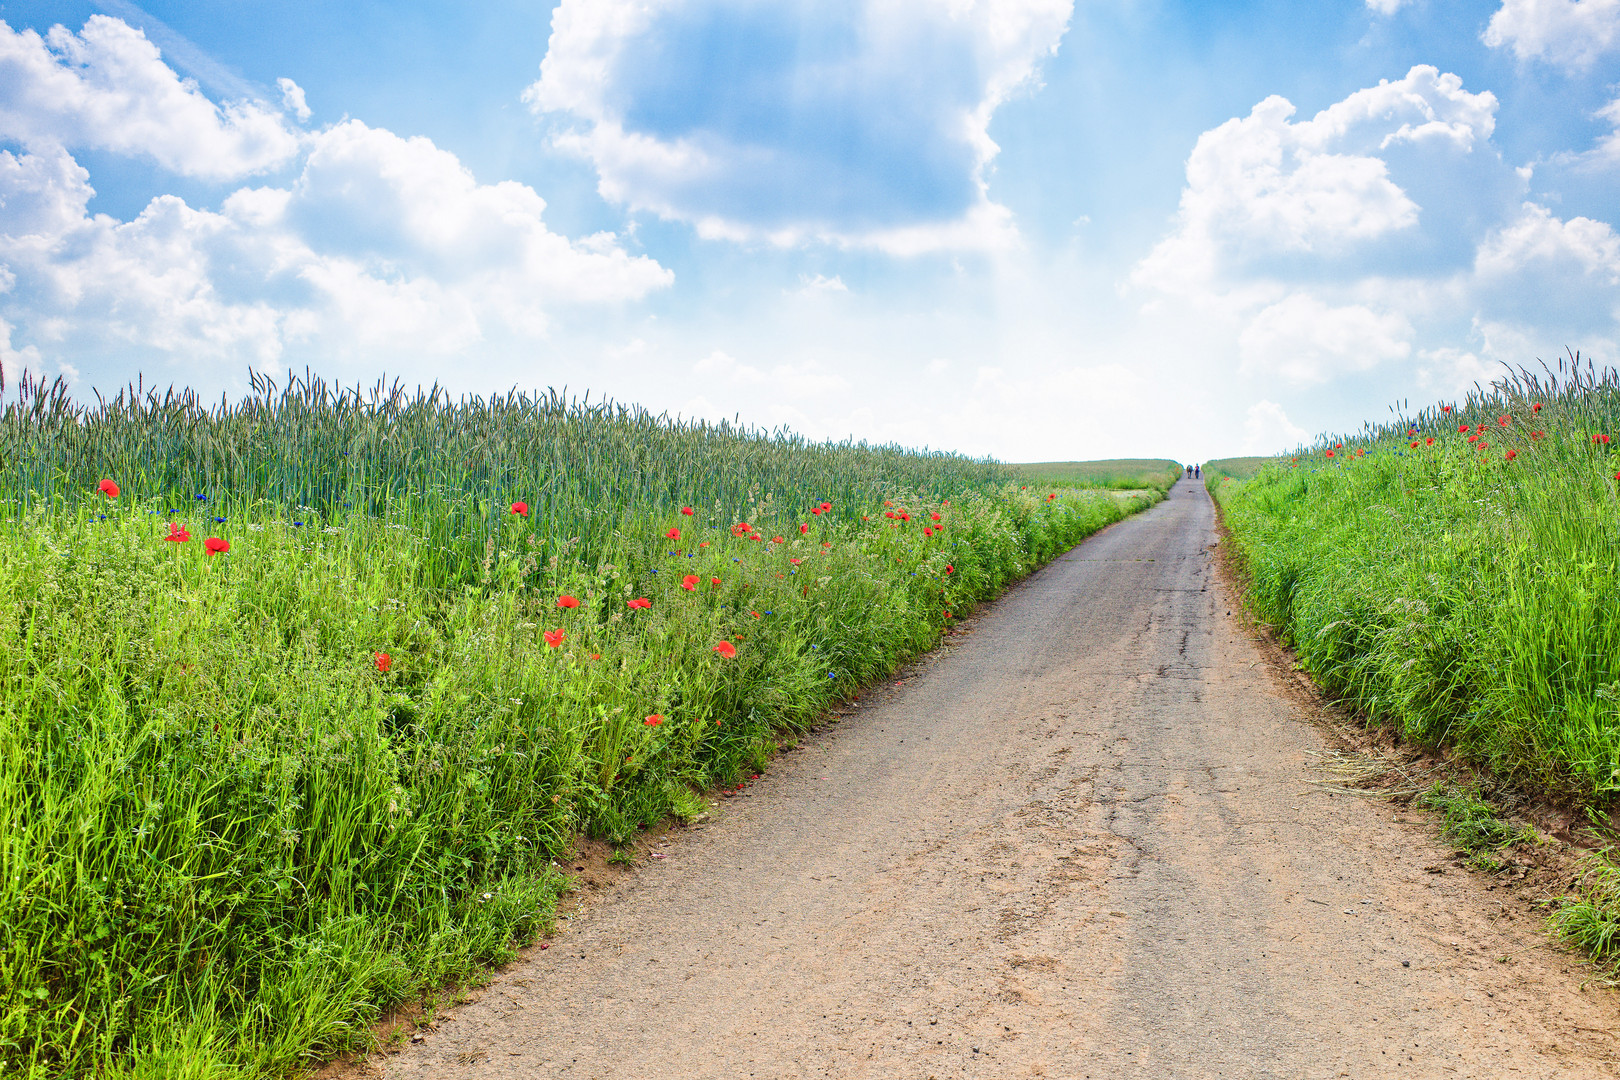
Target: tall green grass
{"x":1461,"y":586}
{"x":1119,"y":474}
{"x":229,"y":837}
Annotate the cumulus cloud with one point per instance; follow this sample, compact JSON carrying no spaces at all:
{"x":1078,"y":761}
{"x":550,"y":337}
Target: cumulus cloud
{"x":1386,"y":7}
{"x":292,"y":98}
{"x":376,"y":244}
{"x":1267,"y":429}
{"x":1335,"y":245}
{"x":1304,"y":340}
{"x":1269,"y":196}
{"x":107,"y":88}
{"x":861,"y":122}
{"x":1570,"y":33}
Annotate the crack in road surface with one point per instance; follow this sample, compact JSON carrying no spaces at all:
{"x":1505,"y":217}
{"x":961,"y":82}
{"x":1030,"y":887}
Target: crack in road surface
{"x":1077,"y":843}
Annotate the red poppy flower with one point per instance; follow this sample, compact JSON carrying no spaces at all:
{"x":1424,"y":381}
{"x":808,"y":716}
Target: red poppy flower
{"x":216,"y":546}
{"x":1330,"y":453}
{"x":816,"y":510}
{"x":521,"y":509}
{"x":108,"y":488}
{"x":927,"y":531}
{"x":1504,"y":420}
{"x":758,"y":537}
{"x":1604,"y":439}
{"x":1473,"y":438}
{"x":689,"y":582}
{"x":715,"y":582}
{"x":1538,"y":434}
{"x":1536,"y":407}
{"x":177,"y":533}
{"x":1483,"y":445}
{"x":673,"y":534}
{"x":795,"y":562}
{"x":950,"y":569}
{"x":1429,"y":441}
{"x":688,"y":511}
{"x":755,"y":614}
{"x":566,"y":601}
{"x":1413,"y":431}
{"x":1462,"y":429}
{"x":826,"y":543}
{"x":639,"y":602}
{"x":742,"y":528}
{"x":1445,"y":408}
{"x":594,"y":655}
{"x":654,"y":720}
{"x":904,"y":516}
{"x":803,"y":529}
{"x":1510,"y":455}
{"x":704,"y":544}
{"x":726,"y":649}
{"x":555,"y":637}
{"x":934,"y":516}
{"x":865,"y":518}
{"x":1414,"y":444}
{"x":886,"y":502}
{"x":826,"y":506}
{"x":777,"y":540}
{"x":1052,"y":496}
{"x":888,"y":513}
{"x":383,"y":661}
{"x":947,"y":614}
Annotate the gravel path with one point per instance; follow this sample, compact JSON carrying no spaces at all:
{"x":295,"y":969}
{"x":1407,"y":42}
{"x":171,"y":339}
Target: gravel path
{"x":1078,"y":842}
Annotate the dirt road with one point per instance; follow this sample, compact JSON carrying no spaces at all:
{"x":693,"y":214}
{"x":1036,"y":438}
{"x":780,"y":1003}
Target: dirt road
{"x":1078,"y":843}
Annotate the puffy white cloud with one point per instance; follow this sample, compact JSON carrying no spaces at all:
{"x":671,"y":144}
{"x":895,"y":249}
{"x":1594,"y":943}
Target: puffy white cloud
{"x":1267,"y":429}
{"x":864,"y":122}
{"x":1384,"y":230}
{"x":1572,"y":33}
{"x":381,"y":245}
{"x":107,"y":88}
{"x":1386,"y":7}
{"x":1266,"y":196}
{"x":1540,"y":270}
{"x":292,"y":98}
{"x":1304,"y":340}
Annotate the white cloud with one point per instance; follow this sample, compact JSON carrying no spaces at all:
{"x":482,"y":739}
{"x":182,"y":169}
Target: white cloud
{"x":803,"y":380}
{"x":1451,"y":372}
{"x":1386,"y":7}
{"x":819,"y":283}
{"x":1264,"y":192}
{"x":107,"y":88}
{"x":1267,"y":429}
{"x":1304,"y":340}
{"x":860,"y":124}
{"x":1582,"y":245}
{"x":292,"y":98}
{"x":383,"y":247}
{"x":1570,"y":33}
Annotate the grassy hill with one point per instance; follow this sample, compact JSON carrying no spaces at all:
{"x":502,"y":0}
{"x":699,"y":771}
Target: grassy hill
{"x":1117,"y":473}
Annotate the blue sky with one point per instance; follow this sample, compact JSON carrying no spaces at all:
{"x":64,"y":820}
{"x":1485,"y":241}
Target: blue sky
{"x":1038,"y":229}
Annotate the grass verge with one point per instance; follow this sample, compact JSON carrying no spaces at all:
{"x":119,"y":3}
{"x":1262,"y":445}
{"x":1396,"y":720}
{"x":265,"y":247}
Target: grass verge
{"x":1453,"y":577}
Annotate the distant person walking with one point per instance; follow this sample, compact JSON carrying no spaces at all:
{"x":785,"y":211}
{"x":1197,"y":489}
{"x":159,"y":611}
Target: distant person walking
{"x":1198,"y":472}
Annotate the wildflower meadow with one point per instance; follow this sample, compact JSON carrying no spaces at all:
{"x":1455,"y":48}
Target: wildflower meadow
{"x":304,"y":694}
{"x":1455,"y":574}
